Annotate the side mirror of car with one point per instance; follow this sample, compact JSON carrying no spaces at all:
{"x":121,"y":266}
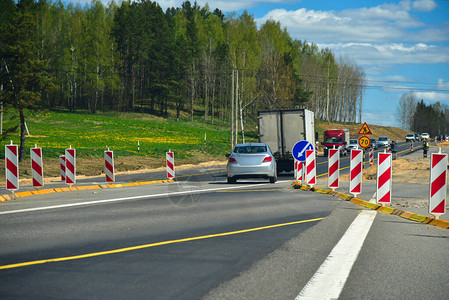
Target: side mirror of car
{"x":227,"y":155}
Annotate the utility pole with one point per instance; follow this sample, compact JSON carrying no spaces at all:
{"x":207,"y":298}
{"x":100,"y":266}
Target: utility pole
{"x":232,"y":111}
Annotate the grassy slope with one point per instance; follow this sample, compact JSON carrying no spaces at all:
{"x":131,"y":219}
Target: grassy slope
{"x":91,"y":134}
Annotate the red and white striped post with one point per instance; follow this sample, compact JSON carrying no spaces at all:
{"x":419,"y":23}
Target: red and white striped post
{"x":355,"y":174}
{"x":438,"y":182}
{"x":299,"y":172}
{"x":384,"y":178}
{"x":371,"y":156}
{"x":62,"y":166}
{"x":334,"y":169}
{"x":411,"y":146}
{"x":37,"y":169}
{"x":70,"y":166}
{"x":310,"y":168}
{"x":109,"y":166}
{"x":170,"y":158}
{"x":12,"y":167}
{"x":389,"y":148}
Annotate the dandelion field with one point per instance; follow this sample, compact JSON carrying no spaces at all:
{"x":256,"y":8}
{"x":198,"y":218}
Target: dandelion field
{"x":123,"y":133}
{"x":127,"y":134}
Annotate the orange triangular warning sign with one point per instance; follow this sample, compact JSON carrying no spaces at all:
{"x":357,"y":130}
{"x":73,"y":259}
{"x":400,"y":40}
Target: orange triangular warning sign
{"x":365,"y":129}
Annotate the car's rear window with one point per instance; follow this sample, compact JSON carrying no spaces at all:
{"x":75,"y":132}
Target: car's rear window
{"x":250,"y":149}
{"x":383,"y":138}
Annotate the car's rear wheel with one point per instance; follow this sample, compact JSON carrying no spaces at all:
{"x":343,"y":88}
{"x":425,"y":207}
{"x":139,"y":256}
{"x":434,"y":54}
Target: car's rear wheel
{"x":231,"y":180}
{"x":273,"y":179}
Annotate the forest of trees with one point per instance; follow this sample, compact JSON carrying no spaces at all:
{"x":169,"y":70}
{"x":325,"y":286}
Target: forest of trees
{"x":136,"y":57}
{"x":190,"y":60}
{"x":420,"y":117}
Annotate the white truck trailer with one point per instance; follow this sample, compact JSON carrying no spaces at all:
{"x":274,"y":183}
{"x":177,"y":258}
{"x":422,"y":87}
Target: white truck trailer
{"x":282,"y":129}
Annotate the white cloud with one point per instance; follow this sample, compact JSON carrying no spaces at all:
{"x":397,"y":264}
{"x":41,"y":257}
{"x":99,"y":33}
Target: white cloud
{"x":387,"y":118}
{"x":443,"y":85}
{"x":370,"y":54}
{"x":385,"y":23}
{"x":432,"y":96}
{"x":424,"y":5}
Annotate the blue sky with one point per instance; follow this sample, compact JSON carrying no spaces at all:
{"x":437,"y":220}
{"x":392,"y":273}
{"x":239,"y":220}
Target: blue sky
{"x":401,"y":45}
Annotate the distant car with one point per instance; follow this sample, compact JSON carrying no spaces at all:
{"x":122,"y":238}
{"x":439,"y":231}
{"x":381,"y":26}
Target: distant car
{"x":374,"y":144}
{"x":424,"y":136}
{"x":353,"y":144}
{"x":253,"y":160}
{"x":410,"y":137}
{"x":384,"y":141}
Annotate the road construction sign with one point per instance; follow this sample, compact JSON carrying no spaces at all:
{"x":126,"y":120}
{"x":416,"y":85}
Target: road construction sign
{"x":364,"y":142}
{"x":365,"y":129}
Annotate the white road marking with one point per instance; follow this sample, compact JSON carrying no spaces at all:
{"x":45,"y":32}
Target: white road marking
{"x":329,"y":280}
{"x":131,"y":198}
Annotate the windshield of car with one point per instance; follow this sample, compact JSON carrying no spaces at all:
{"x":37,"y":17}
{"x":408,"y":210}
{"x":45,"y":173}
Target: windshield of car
{"x":383,"y":138}
{"x":250,"y":149}
{"x":334,"y":140}
{"x":410,"y":135}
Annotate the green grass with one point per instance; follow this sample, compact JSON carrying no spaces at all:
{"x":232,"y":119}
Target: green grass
{"x":92,"y":134}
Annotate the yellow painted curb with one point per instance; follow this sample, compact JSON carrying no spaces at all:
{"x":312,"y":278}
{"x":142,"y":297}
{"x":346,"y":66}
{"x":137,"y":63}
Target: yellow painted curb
{"x":397,"y":212}
{"x":23,"y":194}
{"x":7,"y":197}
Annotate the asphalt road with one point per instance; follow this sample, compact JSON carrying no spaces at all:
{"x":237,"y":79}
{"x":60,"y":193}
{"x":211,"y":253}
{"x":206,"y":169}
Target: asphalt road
{"x":184,"y":270}
{"x":203,"y":238}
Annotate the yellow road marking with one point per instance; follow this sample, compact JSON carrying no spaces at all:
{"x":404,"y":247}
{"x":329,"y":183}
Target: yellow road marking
{"x":88,"y":255}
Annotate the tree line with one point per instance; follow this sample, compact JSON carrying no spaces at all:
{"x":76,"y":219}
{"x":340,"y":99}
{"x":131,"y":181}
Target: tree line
{"x":133,"y":56}
{"x":417,"y":116}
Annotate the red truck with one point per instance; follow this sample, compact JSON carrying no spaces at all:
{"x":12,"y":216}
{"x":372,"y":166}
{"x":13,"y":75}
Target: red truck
{"x":337,"y":138}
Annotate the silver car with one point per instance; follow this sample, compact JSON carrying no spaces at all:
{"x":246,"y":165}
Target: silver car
{"x":384,"y":141}
{"x":353,"y":144}
{"x":253,"y":160}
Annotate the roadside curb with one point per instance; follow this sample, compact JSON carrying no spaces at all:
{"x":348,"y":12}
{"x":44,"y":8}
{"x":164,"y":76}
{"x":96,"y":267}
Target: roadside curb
{"x":389,"y":210}
{"x":7,"y":197}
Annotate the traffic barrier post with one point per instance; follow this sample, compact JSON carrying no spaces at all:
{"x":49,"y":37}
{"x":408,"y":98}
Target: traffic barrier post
{"x":355,"y":174}
{"x":170,"y":159}
{"x":62,"y":166}
{"x":334,"y":168}
{"x":12,"y":167}
{"x":109,"y":166}
{"x":70,"y":166}
{"x":37,"y":168}
{"x":371,"y":156}
{"x":438,"y":183}
{"x":299,"y":172}
{"x":384,"y":181}
{"x":411,"y":146}
{"x":310,"y":168}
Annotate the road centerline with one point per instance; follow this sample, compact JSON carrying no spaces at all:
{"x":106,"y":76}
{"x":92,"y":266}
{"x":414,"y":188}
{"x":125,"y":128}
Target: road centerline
{"x":126,"y":249}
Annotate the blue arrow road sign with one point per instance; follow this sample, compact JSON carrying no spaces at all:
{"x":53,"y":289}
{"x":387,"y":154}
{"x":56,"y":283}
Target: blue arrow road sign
{"x":299,"y":150}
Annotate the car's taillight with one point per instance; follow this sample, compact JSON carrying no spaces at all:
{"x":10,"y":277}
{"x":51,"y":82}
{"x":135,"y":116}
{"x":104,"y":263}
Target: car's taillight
{"x":268,"y":159}
{"x":232,"y":160}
